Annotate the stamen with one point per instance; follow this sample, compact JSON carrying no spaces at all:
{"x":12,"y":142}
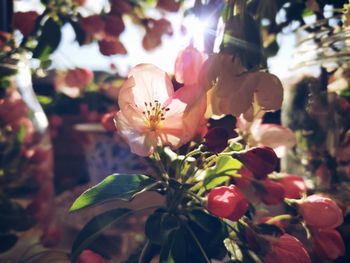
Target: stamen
{"x":154,"y":113}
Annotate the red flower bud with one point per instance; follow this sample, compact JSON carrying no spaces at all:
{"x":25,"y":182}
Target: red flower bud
{"x":93,"y":26}
{"x":260,"y":161}
{"x":51,"y":236}
{"x":227,"y":202}
{"x":88,"y":256}
{"x":287,"y":249}
{"x":24,"y":21}
{"x":294,"y":186}
{"x":80,"y":2}
{"x":111,"y":47}
{"x":119,"y":7}
{"x":169,"y":5}
{"x":328,"y":243}
{"x":273,"y":193}
{"x":245,"y":180}
{"x":114,"y":25}
{"x":79,"y":77}
{"x":216,"y":139}
{"x":322,"y":212}
{"x":107,"y":121}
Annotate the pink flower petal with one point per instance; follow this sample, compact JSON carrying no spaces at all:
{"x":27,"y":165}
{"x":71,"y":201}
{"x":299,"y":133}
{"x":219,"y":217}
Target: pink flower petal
{"x":188,"y":65}
{"x":279,"y":138}
{"x":141,"y":143}
{"x":148,"y":84}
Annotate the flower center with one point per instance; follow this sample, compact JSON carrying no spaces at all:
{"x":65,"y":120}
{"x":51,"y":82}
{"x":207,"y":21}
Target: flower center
{"x":154,"y":114}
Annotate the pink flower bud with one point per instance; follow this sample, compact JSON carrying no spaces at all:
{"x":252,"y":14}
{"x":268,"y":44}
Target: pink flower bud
{"x":24,"y":21}
{"x":88,"y":256}
{"x":294,"y":186}
{"x":107,"y":121}
{"x":260,"y":161}
{"x":216,"y":139}
{"x":328,"y":243}
{"x":287,"y":249}
{"x":322,"y":212}
{"x":273,"y":193}
{"x":227,"y":202}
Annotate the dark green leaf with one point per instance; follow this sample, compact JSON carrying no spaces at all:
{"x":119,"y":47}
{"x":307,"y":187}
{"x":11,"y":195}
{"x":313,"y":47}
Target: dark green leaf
{"x":94,"y":227}
{"x":7,"y":241}
{"x":79,"y":32}
{"x":159,"y":225}
{"x":269,"y":229}
{"x":117,"y":186}
{"x":210,"y":232}
{"x":49,"y":40}
{"x":174,"y":250}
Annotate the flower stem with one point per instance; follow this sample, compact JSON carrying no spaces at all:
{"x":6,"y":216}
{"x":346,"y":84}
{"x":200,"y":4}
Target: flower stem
{"x":279,"y":217}
{"x":164,"y":174}
{"x":144,"y":251}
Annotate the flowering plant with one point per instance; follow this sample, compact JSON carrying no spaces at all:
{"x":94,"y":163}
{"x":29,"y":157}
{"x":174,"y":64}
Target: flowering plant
{"x":218,"y":186}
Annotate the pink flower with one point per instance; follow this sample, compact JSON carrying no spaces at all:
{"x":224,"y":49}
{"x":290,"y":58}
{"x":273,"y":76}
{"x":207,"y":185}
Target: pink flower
{"x":88,"y":256}
{"x":294,"y":186}
{"x":279,"y":138}
{"x":152,"y":114}
{"x":188,"y":65}
{"x":322,"y":212}
{"x":328,"y":243}
{"x":24,"y":21}
{"x":227,"y":202}
{"x":236,"y":88}
{"x":287,"y":249}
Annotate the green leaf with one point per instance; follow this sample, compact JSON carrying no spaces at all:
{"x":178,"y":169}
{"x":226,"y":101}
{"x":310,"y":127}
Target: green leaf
{"x":159,"y":225}
{"x":210,"y":232}
{"x":225,"y":167}
{"x":21,"y":134}
{"x":49,"y":40}
{"x":44,"y":100}
{"x":117,"y":186}
{"x":94,"y":227}
{"x":174,"y":250}
{"x":7,"y":241}
{"x":80,"y":35}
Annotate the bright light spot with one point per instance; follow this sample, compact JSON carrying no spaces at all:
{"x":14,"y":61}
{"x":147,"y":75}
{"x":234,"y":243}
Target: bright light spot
{"x":196,"y":30}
